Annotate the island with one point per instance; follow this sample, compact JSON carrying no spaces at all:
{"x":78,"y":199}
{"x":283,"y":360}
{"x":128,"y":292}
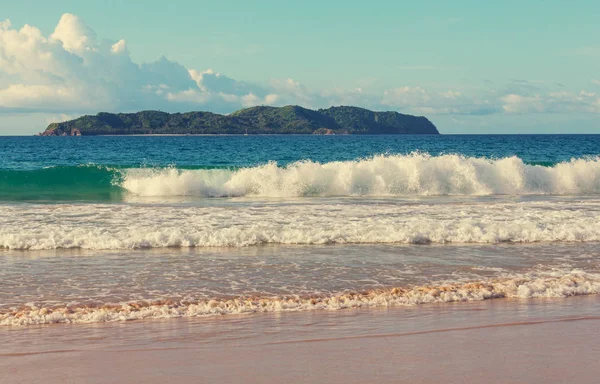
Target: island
{"x":290,"y":119}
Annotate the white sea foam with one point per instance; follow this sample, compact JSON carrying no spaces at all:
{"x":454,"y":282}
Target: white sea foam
{"x":532,"y":285}
{"x":128,"y":226}
{"x":383,"y":175}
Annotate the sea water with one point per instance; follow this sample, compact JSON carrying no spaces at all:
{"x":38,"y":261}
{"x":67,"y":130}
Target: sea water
{"x":102,"y":229}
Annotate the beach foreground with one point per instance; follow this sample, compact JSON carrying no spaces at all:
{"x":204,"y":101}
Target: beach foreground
{"x":498,"y":341}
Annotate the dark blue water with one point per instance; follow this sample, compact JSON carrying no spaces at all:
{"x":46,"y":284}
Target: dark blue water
{"x":95,"y":168}
{"x":26,"y":153}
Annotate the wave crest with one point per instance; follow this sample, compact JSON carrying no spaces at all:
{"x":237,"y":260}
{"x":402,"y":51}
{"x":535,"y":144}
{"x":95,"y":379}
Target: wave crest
{"x":416,"y":174}
{"x":383,"y":175}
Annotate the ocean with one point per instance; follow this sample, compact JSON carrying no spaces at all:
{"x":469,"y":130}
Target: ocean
{"x":106,"y":229}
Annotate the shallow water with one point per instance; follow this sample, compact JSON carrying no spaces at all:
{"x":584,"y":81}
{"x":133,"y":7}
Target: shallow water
{"x":110,"y":285}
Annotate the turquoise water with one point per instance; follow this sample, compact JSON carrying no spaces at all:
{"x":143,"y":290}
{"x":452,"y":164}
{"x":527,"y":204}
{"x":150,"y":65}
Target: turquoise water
{"x":95,"y":168}
{"x":96,"y":229}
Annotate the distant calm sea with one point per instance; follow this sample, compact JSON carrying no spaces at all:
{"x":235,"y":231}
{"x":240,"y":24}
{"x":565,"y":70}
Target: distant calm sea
{"x":96,"y":229}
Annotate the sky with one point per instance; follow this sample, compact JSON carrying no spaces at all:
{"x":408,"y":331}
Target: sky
{"x":469,"y":66}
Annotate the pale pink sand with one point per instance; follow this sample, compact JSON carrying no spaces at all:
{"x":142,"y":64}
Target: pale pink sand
{"x":497,"y":341}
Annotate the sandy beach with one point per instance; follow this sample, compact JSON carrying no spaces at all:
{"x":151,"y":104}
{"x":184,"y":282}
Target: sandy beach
{"x":497,"y":341}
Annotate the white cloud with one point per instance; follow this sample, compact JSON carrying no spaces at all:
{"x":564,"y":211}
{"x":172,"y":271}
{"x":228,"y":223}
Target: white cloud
{"x":39,"y":96}
{"x":406,"y":96}
{"x":271,"y":99}
{"x":552,"y":102}
{"x":229,"y":97}
{"x":451,"y":94}
{"x":290,"y":91}
{"x":6,"y":24}
{"x":211,"y":81}
{"x":522,"y":104}
{"x":190,"y":95}
{"x":74,"y":35}
{"x":119,"y":47}
{"x":61,"y":117}
{"x":72,"y":71}
{"x":418,"y":100}
{"x":251,"y":99}
{"x":583,"y":93}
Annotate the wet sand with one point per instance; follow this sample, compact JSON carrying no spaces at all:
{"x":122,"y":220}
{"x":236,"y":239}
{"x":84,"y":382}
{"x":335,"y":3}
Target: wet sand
{"x":496,"y":341}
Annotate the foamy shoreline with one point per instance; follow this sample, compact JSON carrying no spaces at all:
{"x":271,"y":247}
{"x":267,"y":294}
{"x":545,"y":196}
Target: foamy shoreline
{"x":543,"y":285}
{"x":497,"y":341}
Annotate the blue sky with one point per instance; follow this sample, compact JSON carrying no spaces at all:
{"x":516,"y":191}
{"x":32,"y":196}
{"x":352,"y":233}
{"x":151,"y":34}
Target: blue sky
{"x":470,"y":66}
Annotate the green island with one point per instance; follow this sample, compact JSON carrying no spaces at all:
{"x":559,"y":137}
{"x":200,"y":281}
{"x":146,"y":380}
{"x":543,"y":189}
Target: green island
{"x":290,"y":119}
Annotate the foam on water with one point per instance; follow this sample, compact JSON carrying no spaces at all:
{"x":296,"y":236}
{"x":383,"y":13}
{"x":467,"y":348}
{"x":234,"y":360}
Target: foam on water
{"x":414,"y":174}
{"x":552,"y":284}
{"x":129,"y":226}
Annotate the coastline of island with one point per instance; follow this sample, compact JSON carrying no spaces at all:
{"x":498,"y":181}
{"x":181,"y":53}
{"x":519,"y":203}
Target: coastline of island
{"x":291,"y":119}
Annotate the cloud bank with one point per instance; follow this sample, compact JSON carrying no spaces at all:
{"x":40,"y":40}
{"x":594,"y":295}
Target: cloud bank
{"x":72,"y":71}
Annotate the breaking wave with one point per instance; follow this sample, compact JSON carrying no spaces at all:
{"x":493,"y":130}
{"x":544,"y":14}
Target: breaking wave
{"x":383,"y":175}
{"x":416,"y":174}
